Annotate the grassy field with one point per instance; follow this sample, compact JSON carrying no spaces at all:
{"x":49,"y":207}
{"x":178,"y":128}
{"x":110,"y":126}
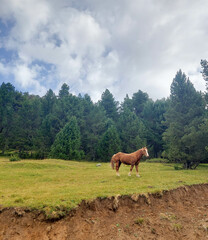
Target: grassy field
{"x":51,"y":183}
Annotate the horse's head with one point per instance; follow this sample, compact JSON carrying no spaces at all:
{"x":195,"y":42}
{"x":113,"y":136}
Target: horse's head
{"x":145,"y":152}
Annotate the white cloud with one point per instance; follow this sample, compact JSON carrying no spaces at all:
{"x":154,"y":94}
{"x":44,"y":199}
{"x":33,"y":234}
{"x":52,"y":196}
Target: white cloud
{"x":3,"y":69}
{"x":93,"y":45}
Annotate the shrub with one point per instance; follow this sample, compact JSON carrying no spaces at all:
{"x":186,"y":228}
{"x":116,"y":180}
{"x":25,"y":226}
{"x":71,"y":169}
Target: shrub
{"x":14,"y":158}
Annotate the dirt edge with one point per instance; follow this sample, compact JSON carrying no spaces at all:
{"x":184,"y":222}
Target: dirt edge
{"x":110,"y":203}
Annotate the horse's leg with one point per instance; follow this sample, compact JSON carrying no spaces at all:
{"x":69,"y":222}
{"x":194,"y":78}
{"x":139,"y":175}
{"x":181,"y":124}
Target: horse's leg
{"x":131,"y":170}
{"x":137,"y":171}
{"x":118,"y":164}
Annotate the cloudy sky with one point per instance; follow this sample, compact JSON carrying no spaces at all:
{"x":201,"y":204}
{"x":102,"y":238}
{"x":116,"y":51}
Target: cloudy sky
{"x":122,"y":45}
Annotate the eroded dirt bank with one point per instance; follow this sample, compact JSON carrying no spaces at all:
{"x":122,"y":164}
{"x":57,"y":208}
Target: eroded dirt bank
{"x":177,"y":214}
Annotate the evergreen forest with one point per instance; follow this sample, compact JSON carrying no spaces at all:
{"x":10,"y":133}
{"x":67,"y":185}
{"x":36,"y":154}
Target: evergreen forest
{"x":74,"y":127}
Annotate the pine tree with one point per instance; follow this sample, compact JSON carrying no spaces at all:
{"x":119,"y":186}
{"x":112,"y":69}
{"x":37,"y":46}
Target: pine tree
{"x":48,"y":102}
{"x":153,"y":115}
{"x":139,"y":99}
{"x":67,"y":142}
{"x":64,"y":92}
{"x":92,"y":128}
{"x":50,"y":124}
{"x":49,"y":128}
{"x":10,"y":103}
{"x":28,"y":123}
{"x":127,"y":103}
{"x":182,"y":118}
{"x":132,"y":131}
{"x":109,"y":104}
{"x":109,"y":144}
{"x":204,"y":65}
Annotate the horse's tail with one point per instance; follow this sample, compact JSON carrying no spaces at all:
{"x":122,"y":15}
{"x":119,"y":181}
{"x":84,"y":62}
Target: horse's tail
{"x":112,"y":161}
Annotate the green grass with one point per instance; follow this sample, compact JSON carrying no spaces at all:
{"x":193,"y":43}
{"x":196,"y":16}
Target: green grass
{"x":51,"y":183}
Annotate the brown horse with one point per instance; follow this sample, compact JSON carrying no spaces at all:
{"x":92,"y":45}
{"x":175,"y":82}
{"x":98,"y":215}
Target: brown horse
{"x":128,"y":159}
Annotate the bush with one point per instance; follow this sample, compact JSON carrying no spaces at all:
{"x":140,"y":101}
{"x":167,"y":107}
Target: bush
{"x":14,"y":158}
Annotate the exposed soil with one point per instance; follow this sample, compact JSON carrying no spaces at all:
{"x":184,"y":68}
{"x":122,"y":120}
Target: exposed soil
{"x":177,"y":214}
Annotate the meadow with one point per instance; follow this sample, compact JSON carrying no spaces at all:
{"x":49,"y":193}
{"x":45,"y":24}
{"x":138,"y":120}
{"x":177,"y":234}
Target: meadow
{"x":57,"y":183}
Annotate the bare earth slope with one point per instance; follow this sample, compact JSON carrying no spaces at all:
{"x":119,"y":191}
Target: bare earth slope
{"x":176,"y":214}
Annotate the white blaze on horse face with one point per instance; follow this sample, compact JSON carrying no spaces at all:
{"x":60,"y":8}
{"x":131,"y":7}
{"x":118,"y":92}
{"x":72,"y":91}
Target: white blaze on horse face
{"x":147,"y":155}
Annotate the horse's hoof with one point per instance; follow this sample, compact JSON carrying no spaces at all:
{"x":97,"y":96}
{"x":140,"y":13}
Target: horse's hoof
{"x":138,"y":175}
{"x":129,"y":175}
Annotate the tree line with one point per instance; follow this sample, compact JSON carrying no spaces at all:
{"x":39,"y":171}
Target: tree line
{"x":73,"y":127}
